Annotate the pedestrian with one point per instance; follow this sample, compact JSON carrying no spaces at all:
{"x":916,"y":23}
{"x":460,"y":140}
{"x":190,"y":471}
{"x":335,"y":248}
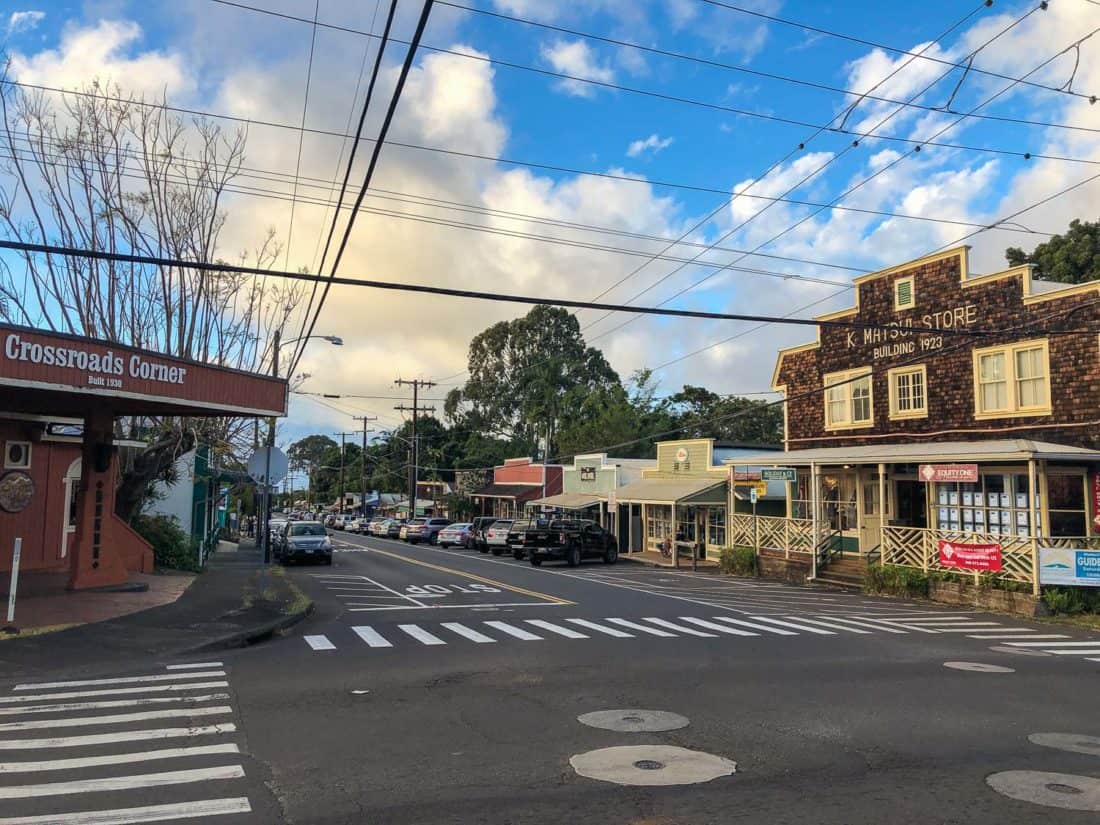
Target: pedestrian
{"x":666,"y":547}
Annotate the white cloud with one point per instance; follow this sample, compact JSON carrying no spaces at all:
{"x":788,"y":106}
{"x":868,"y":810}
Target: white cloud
{"x":651,"y":145}
{"x":577,"y":59}
{"x":102,"y":52}
{"x":24,"y":21}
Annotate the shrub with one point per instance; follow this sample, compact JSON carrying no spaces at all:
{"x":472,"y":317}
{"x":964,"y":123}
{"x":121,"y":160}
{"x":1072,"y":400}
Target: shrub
{"x":738,"y":561}
{"x":1068,"y":601}
{"x":895,"y":580}
{"x":172,"y":547}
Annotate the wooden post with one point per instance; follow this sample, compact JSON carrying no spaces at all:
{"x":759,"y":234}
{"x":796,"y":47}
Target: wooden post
{"x":881,"y":513}
{"x":1032,"y":486}
{"x":675,"y":544}
{"x":813,"y":512}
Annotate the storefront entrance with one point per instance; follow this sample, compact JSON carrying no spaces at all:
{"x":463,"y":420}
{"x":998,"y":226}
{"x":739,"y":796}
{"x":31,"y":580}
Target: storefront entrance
{"x":912,"y":504}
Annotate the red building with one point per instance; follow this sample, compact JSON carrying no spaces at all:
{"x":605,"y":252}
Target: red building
{"x":57,"y":492}
{"x":516,"y":482}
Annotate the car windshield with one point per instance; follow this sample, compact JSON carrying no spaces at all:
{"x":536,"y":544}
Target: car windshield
{"x":309,"y":528}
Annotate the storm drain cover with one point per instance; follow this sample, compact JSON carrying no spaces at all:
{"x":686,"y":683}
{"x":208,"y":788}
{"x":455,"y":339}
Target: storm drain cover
{"x":978,"y":667}
{"x":634,"y":721}
{"x":1074,"y":742}
{"x":1055,"y":790}
{"x":651,"y":765}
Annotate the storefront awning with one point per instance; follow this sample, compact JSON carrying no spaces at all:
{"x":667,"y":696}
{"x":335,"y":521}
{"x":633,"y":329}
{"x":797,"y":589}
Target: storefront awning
{"x":516,"y":491}
{"x":672,"y":491}
{"x":568,"y":501}
{"x":1016,"y":449}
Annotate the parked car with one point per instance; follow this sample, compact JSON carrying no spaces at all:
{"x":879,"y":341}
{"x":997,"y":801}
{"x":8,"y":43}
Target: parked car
{"x":496,"y":537}
{"x":393,"y":528}
{"x":517,"y":535}
{"x":478,"y":528}
{"x":374,"y":525}
{"x":571,"y":540}
{"x":427,"y":530}
{"x":460,"y":534}
{"x":413,"y":525}
{"x":304,"y":540}
{"x":354,"y":525}
{"x":330,"y":520}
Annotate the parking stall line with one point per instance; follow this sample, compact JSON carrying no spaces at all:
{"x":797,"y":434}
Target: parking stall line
{"x":732,"y":631}
{"x":516,"y":632}
{"x":421,"y":635}
{"x":371,"y":636}
{"x":652,"y":631}
{"x":687,"y":631}
{"x":599,"y":628}
{"x":553,"y":628}
{"x":468,"y":633}
{"x":819,"y":631}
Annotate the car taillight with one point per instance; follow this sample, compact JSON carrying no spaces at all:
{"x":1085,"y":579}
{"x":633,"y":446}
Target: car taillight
{"x":561,"y":537}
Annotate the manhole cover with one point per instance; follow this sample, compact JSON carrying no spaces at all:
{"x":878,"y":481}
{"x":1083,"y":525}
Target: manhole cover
{"x":1074,"y":742}
{"x":651,"y":765}
{"x":1055,"y":790}
{"x":632,"y":720}
{"x":978,"y":667}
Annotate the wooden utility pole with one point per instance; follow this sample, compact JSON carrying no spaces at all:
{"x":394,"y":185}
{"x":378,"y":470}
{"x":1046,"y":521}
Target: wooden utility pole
{"x":363,"y":464}
{"x":340,"y":492}
{"x":414,"y":457}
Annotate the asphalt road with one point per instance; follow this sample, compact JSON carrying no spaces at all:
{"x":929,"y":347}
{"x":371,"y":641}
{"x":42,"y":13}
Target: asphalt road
{"x":444,"y":686}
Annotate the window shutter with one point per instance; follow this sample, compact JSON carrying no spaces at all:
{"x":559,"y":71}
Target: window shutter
{"x":904,"y":293}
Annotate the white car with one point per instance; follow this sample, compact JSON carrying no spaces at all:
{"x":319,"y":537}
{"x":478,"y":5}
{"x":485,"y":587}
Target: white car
{"x":496,"y":537}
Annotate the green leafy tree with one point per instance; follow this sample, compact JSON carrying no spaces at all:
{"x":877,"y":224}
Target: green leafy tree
{"x":1072,"y":258}
{"x":524,"y":375}
{"x":705,"y":414}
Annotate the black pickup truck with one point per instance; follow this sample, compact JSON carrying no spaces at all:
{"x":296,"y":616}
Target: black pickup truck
{"x":569,"y":540}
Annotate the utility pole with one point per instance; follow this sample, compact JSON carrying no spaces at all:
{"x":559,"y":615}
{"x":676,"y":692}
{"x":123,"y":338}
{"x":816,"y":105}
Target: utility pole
{"x":363,"y":464}
{"x":414,"y":461}
{"x":276,"y":343}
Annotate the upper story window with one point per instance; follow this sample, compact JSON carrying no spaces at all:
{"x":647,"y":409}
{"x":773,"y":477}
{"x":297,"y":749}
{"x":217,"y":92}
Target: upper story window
{"x":905,"y":296}
{"x":1012,"y":380}
{"x":848,"y":401}
{"x":908,"y":392}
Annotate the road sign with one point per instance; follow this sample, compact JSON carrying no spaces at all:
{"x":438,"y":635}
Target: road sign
{"x":752,"y":495}
{"x":778,"y":474}
{"x":258,"y":465}
{"x":760,"y":488}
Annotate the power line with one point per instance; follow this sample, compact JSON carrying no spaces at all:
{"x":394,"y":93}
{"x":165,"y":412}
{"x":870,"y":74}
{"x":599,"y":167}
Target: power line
{"x":355,"y":395}
{"x":221,"y":267}
{"x":395,"y":98}
{"x":302,"y":134}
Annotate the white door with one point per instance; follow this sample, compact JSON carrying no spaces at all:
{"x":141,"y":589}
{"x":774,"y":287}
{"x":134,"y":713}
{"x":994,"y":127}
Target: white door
{"x":68,"y":521}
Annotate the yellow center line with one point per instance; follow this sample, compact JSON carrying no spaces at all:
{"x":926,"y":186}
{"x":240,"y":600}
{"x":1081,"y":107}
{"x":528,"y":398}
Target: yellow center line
{"x":482,"y":579}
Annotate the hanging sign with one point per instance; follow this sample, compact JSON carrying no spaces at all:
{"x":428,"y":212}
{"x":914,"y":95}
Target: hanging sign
{"x":970,"y":556}
{"x":948,"y":472}
{"x":778,"y":474}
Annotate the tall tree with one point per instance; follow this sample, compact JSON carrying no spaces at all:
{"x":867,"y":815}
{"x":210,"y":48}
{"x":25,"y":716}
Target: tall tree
{"x":104,"y":170}
{"x":521,"y":374}
{"x":1072,"y":258}
{"x":705,"y":414}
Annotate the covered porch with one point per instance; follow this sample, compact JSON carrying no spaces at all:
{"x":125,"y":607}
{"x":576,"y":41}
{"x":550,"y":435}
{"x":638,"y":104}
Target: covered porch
{"x":692,"y":512}
{"x":895,"y":503}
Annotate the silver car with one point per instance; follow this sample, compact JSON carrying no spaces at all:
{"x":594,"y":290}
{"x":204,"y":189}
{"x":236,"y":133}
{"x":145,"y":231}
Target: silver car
{"x":305,"y":541}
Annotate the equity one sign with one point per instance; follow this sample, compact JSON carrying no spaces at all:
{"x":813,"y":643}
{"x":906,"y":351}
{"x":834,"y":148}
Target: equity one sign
{"x":105,"y":369}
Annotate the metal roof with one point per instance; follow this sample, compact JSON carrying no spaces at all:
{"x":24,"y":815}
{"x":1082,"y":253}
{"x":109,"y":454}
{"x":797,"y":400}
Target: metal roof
{"x":667,"y":490}
{"x":519,"y":491}
{"x":1014,"y":449}
{"x":569,"y":501}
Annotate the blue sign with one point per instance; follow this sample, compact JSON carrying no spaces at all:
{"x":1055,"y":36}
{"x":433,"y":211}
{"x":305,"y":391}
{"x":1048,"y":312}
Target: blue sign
{"x":1060,"y":565}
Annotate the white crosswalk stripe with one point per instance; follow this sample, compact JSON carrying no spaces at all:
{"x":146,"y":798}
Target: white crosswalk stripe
{"x":61,"y":775}
{"x":599,"y":628}
{"x":778,"y":631}
{"x":866,"y":624}
{"x":834,"y":625}
{"x":819,"y":631}
{"x":679,"y":628}
{"x":553,"y":628}
{"x":729,"y":631}
{"x":421,"y":635}
{"x":371,"y":636}
{"x":515,"y":632}
{"x":320,"y":643}
{"x":641,"y":628}
{"x":468,"y":633}
{"x":1016,"y":636}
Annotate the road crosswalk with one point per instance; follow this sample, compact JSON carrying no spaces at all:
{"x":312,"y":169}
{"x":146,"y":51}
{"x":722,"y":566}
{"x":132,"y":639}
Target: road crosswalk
{"x":431,"y":634}
{"x":89,"y":751}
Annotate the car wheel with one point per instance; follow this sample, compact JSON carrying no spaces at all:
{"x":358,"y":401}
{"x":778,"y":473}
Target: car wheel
{"x":518,"y":555}
{"x":535,"y":561}
{"x":573,"y":556}
{"x":481,"y":548}
{"x":433,"y":539}
{"x":328,"y":561}
{"x":610,"y":555}
{"x":496,"y":551}
{"x":444,"y":545}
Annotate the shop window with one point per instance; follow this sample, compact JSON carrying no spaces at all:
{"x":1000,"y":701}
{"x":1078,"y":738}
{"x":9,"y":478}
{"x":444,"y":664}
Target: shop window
{"x":1012,"y":380}
{"x":685,"y":524}
{"x":716,"y":527}
{"x":996,"y":504}
{"x":17,"y":455}
{"x":908,"y":392}
{"x":904,"y":294}
{"x":838,"y":496}
{"x":658,"y":521}
{"x":848,"y":401}
{"x":1066,"y":502}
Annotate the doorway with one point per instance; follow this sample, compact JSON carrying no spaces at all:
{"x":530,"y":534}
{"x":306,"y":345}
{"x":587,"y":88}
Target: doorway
{"x":912,"y":503}
{"x":72,"y":489}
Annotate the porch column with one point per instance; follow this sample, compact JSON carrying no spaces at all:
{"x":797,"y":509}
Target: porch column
{"x":91,"y":564}
{"x":1032,"y":486}
{"x":675,"y":548}
{"x":813,"y":513}
{"x":881,"y":514}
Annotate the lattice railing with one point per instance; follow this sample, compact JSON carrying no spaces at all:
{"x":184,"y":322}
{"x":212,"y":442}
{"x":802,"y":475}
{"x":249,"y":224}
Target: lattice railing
{"x":772,"y":532}
{"x":740,"y":529}
{"x":790,"y":535}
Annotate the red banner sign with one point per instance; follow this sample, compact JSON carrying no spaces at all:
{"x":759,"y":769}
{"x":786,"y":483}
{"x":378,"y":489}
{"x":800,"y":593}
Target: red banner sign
{"x":970,"y":556}
{"x":948,"y":472}
{"x":1096,"y":502}
{"x":746,"y":475}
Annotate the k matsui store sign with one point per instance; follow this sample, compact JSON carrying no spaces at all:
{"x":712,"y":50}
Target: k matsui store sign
{"x":57,"y":364}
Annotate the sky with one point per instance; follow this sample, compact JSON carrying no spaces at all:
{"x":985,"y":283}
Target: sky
{"x":694,"y":151}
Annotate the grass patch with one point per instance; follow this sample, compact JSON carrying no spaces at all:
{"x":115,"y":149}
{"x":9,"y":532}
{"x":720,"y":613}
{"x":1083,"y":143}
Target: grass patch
{"x":300,"y":602}
{"x":38,"y":631}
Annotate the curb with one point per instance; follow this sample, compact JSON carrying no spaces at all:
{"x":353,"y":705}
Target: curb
{"x":252,"y":635}
{"x":658,"y":566}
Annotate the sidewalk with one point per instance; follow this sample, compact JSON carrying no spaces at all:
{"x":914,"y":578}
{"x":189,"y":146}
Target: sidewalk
{"x":652,"y":558}
{"x":235,"y":601}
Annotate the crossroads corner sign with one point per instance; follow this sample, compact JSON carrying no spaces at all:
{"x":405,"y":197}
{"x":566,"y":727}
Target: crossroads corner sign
{"x":966,"y":473}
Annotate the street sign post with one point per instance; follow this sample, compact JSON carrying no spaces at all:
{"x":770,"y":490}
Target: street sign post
{"x":778,"y":474}
{"x":752,"y":498}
